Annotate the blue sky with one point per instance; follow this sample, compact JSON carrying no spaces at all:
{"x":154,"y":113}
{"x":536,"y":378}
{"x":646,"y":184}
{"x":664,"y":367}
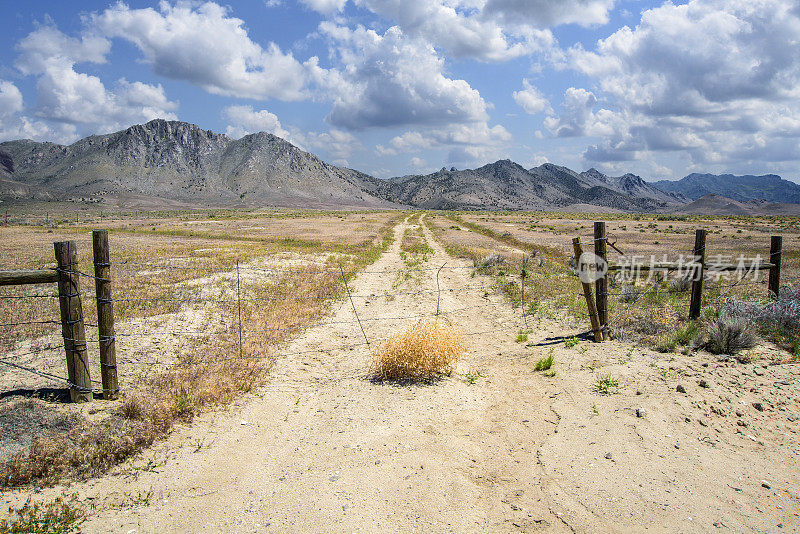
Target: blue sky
{"x":393,"y":87}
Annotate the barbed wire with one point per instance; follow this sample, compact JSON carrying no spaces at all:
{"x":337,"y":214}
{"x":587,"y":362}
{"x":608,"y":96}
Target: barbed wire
{"x":313,"y":270}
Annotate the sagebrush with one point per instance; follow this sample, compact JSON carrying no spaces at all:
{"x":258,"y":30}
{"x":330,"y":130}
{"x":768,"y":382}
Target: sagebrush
{"x":727,"y":336}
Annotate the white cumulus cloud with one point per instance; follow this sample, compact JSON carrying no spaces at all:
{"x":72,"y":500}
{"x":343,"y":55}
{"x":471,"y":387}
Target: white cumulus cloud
{"x":204,"y":45}
{"x":243,"y":120}
{"x":716,"y":79}
{"x":72,"y":103}
{"x":392,"y":80}
{"x":10,"y":99}
{"x":531,"y":99}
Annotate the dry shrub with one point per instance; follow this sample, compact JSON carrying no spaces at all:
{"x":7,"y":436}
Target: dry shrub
{"x":727,"y":336}
{"x":424,"y":351}
{"x":145,"y":416}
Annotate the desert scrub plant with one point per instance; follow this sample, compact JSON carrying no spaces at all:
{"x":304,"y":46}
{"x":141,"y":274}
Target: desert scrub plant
{"x":545,"y":364}
{"x":424,"y":351}
{"x":606,"y":385}
{"x":629,"y":293}
{"x":55,"y":517}
{"x":683,"y":336}
{"x":778,"y":321}
{"x":727,"y":336}
{"x":521,"y":338}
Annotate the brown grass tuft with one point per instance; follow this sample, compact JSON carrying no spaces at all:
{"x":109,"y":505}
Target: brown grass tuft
{"x":424,"y":351}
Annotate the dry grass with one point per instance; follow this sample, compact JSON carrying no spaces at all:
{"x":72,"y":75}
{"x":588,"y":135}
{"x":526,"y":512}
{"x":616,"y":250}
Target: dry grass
{"x":207,"y":370}
{"x":426,"y":350}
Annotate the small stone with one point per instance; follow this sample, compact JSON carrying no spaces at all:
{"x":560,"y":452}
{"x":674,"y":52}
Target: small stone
{"x":680,"y":388}
{"x":640,"y":412}
{"x":334,"y":478}
{"x":703,"y":384}
{"x":758,"y":371}
{"x":741,"y":423}
{"x":765,"y":484}
{"x":758,"y":406}
{"x":677,"y":444}
{"x":702,"y":422}
{"x":739,"y":413}
{"x":608,"y":456}
{"x":781,"y":383}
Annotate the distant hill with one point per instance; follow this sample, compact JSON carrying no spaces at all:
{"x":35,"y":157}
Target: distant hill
{"x":719,"y":205}
{"x":770,"y":187}
{"x":505,"y":185}
{"x":180,"y":162}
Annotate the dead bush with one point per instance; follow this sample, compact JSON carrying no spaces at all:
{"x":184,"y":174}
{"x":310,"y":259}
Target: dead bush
{"x":424,"y":351}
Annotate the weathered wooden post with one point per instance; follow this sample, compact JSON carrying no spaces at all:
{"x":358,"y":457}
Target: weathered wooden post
{"x":587,"y":293}
{"x":775,"y":252}
{"x":105,"y":314}
{"x":601,"y":285}
{"x":72,"y":328}
{"x":699,"y":273}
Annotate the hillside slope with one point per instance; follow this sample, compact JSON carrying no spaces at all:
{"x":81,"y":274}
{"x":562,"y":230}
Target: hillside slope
{"x":180,"y":161}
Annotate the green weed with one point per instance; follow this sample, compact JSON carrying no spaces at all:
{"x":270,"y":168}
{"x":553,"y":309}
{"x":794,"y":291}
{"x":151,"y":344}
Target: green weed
{"x":545,"y":363}
{"x":606,"y":385}
{"x":472,"y":376}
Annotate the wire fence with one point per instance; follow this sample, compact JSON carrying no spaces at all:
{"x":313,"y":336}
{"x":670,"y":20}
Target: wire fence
{"x":232,"y":312}
{"x":173,"y":315}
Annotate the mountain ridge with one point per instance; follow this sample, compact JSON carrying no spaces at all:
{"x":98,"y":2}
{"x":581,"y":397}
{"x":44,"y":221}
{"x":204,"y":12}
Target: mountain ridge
{"x":741,"y":188}
{"x":180,"y":164}
{"x":180,"y":161}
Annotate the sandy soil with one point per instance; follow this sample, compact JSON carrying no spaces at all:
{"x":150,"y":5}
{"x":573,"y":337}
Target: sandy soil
{"x":322,"y":448}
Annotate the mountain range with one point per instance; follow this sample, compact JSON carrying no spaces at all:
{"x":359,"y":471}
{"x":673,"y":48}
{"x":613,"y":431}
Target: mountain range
{"x":769,"y":187}
{"x":176,"y":164}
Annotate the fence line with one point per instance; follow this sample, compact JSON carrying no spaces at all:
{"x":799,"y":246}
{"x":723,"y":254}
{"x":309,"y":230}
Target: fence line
{"x":527,"y":277}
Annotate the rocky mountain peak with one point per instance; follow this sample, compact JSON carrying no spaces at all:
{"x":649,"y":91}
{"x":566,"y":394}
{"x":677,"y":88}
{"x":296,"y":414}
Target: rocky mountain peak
{"x":594,"y":174}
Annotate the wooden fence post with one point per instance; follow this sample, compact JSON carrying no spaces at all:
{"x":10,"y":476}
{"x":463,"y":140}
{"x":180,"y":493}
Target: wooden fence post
{"x":105,"y":314}
{"x":601,"y":285}
{"x":587,"y":293}
{"x":697,"y":284}
{"x":72,"y":328}
{"x":775,"y":252}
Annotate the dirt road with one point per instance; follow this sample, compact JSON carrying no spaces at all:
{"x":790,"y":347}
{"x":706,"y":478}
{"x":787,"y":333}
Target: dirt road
{"x":322,"y":448}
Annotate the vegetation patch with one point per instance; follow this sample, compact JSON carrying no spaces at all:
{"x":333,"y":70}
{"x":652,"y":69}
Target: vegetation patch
{"x":426,"y":350}
{"x":606,"y":385}
{"x":55,"y":517}
{"x":545,"y":364}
